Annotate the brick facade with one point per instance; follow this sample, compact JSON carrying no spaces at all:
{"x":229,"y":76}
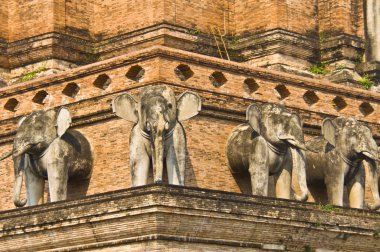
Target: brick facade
{"x":73,"y":44}
{"x":267,"y":33}
{"x":223,"y":108}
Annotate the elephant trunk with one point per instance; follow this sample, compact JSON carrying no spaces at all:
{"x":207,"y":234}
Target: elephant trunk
{"x":158,"y":159}
{"x":299,"y":174}
{"x":19,"y":174}
{"x":17,"y":190}
{"x":373,"y":184}
{"x":20,"y":160}
{"x":158,"y":154}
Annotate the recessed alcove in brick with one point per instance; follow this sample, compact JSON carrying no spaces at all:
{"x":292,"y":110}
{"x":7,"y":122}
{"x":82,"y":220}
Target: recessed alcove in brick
{"x":281,"y":91}
{"x":366,"y":108}
{"x":102,"y":81}
{"x":250,"y":85}
{"x":310,"y":97}
{"x":71,"y":90}
{"x":135,"y":73}
{"x":40,"y":97}
{"x":183,"y":72}
{"x":12,"y":104}
{"x":339,"y":103}
{"x":217,"y":79}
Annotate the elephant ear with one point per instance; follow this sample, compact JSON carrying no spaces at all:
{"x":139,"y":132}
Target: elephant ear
{"x":63,"y":121}
{"x":188,"y":105}
{"x":125,"y":106}
{"x":253,"y":116}
{"x":329,"y":131}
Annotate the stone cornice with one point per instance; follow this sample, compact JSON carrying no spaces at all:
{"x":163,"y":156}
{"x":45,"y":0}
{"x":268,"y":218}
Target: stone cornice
{"x":261,"y":44}
{"x":228,"y":111}
{"x":166,"y":52}
{"x":142,"y":214}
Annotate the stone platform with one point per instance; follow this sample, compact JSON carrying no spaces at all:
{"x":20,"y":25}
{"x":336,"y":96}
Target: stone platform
{"x":173,"y":218}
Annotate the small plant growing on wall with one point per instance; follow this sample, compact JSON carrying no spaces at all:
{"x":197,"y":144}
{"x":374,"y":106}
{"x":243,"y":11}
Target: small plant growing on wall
{"x":31,"y":75}
{"x":340,"y":66}
{"x":366,"y":82}
{"x":328,"y":208}
{"x":307,"y":248}
{"x":320,"y":68}
{"x":195,"y":31}
{"x":376,"y":233}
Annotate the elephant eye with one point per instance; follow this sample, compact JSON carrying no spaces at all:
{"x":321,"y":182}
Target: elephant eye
{"x":170,"y":106}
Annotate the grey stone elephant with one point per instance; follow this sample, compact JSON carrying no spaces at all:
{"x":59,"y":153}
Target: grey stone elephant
{"x":157,"y":135}
{"x":44,"y":148}
{"x":337,"y":158}
{"x":272,"y":143}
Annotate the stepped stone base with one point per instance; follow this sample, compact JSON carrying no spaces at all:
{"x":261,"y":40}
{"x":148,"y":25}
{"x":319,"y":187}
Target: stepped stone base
{"x":372,"y":69}
{"x":173,"y":218}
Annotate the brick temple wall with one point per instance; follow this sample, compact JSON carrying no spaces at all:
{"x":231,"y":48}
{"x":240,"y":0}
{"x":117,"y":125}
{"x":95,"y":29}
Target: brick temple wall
{"x":109,"y":38}
{"x":264,"y":33}
{"x":223,"y":108}
{"x":341,"y":31}
{"x":259,"y":16}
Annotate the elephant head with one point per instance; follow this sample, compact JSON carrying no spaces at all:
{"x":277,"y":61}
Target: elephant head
{"x":282,"y":131}
{"x":34,"y":135}
{"x":354,"y":141}
{"x":157,"y":112}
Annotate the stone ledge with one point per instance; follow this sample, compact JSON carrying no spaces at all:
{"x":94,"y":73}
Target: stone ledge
{"x":83,"y":51}
{"x":372,"y":69}
{"x":342,"y":47}
{"x":183,"y":214}
{"x":170,"y":53}
{"x":281,"y":41}
{"x":231,"y":99}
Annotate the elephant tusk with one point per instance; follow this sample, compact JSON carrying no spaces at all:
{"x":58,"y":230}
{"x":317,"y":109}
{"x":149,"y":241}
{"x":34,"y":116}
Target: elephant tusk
{"x":6,"y":155}
{"x":296,"y":144}
{"x":23,"y":150}
{"x":368,"y":155}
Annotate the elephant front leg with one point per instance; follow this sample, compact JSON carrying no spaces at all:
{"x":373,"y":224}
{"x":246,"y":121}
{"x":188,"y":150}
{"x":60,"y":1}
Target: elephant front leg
{"x":355,"y":188}
{"x":35,"y":188}
{"x":258,"y":169}
{"x":140,"y":169}
{"x":283,"y":180}
{"x":176,"y":157}
{"x":139,"y":158}
{"x":335,"y":186}
{"x":57,"y":178}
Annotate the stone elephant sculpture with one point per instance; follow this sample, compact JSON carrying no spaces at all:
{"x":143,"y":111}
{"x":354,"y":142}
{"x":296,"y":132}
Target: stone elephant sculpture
{"x":44,"y":148}
{"x":272,"y":143}
{"x":337,"y":158}
{"x":157,"y":135}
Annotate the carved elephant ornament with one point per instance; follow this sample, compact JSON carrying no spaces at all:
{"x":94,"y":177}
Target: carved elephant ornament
{"x":158,"y":135}
{"x":337,"y":160}
{"x":44,"y":148}
{"x":272,"y":143}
